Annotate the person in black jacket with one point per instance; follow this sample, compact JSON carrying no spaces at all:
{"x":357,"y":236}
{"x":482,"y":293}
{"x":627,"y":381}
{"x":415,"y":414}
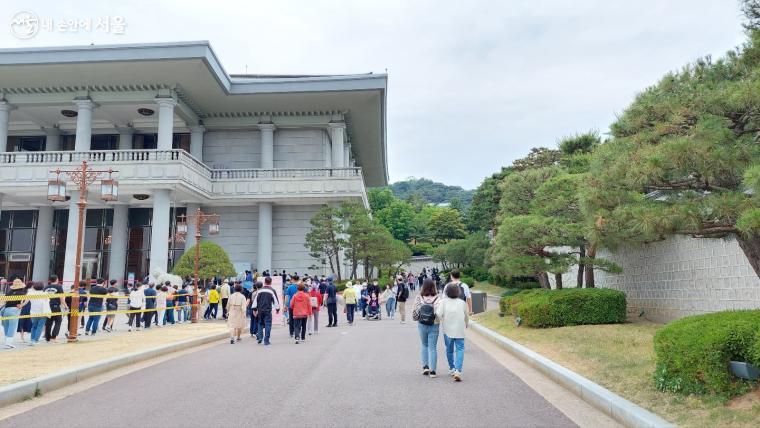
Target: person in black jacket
{"x":95,"y":306}
{"x":150,"y":304}
{"x":53,"y":324}
{"x":332,"y":304}
{"x":402,"y":294}
{"x":266,"y":299}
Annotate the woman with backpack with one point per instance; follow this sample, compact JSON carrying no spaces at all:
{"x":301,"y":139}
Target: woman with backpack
{"x":424,"y":312}
{"x":454,"y":317}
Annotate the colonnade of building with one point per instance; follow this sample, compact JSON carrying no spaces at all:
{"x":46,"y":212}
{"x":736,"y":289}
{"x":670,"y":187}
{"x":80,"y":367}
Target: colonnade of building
{"x":161,"y":198}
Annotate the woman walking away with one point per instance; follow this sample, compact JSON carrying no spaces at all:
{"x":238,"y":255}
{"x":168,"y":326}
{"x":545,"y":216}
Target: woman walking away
{"x":423,"y":311}
{"x":39,"y":310}
{"x":349,"y":297}
{"x":136,"y":304}
{"x":161,"y":304}
{"x":11,"y":310}
{"x":389,"y":296}
{"x":25,"y":324}
{"x":453,"y":314}
{"x":315,"y":298}
{"x":235,"y":310}
{"x":300,"y":309}
{"x":213,"y":302}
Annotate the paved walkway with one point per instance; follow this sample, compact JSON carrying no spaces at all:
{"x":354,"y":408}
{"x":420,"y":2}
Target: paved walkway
{"x":365,"y":375}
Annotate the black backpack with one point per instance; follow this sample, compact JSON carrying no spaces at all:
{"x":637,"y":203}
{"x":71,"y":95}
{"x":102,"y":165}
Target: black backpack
{"x":404,"y":292}
{"x":427,"y":313}
{"x":461,"y":292}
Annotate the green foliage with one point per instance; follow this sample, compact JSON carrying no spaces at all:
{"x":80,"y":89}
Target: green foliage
{"x":379,"y":198}
{"x":572,"y":306}
{"x":431,"y":191}
{"x":422,"y":248}
{"x":446,"y":224}
{"x":693,"y":353}
{"x":213,"y":261}
{"x":324,"y":241}
{"x":468,"y":253}
{"x":539,"y":157}
{"x":691,"y":139}
{"x":485,"y":204}
{"x":398,"y":218}
{"x":579,"y":143}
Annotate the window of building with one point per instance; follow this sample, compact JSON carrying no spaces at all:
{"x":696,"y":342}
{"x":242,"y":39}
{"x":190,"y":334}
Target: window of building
{"x":26,"y":144}
{"x":104,"y":142}
{"x":17,"y":234}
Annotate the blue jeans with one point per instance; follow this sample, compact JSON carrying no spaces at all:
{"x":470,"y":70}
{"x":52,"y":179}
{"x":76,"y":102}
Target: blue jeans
{"x":38,"y":326}
{"x":455,"y":362}
{"x":265,"y":326}
{"x":350,"y":309}
{"x":429,"y":342}
{"x":10,"y":326}
{"x":92,"y":321}
{"x":390,"y":307}
{"x":255,"y":325}
{"x":169,"y":313}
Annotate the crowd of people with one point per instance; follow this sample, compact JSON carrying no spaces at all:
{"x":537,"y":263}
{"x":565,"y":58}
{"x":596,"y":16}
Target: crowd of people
{"x":249,"y":302}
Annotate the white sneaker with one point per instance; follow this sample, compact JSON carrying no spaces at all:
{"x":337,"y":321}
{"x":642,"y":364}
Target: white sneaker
{"x":451,"y":372}
{"x":457,"y":376}
{"x":9,"y":346}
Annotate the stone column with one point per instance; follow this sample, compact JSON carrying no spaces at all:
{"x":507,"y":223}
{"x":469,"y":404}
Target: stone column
{"x":337,"y":135}
{"x":267,"y":146}
{"x":165,"y":123}
{"x":264,"y":254}
{"x":125,"y":138}
{"x":159,"y":236}
{"x":347,"y":155}
{"x":42,"y":244}
{"x":83,"y":139}
{"x":52,"y":141}
{"x":71,"y":241}
{"x":196,"y":141}
{"x":190,"y":238}
{"x":117,"y":263}
{"x":5,"y":114}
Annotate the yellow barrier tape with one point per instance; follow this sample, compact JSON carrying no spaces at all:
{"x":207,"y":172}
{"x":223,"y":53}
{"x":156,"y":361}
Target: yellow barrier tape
{"x":87,"y":313}
{"x":94,"y":296}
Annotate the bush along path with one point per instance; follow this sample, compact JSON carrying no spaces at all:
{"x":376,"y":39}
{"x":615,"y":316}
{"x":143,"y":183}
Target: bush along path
{"x":572,"y":306}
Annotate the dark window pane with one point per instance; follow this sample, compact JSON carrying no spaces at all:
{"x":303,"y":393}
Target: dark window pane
{"x":92,"y":239}
{"x":104,"y":142}
{"x":94,"y":218}
{"x":22,"y":239}
{"x":24,"y":218}
{"x":68,"y":142}
{"x":181,"y":141}
{"x":145,"y":141}
{"x":140,"y":216}
{"x":26,"y":144}
{"x":5,"y":219}
{"x":3,"y":240}
{"x":139,"y":238}
{"x":109,"y":217}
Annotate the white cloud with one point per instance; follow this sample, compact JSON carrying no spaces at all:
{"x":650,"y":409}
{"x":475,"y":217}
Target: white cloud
{"x":473,"y":85}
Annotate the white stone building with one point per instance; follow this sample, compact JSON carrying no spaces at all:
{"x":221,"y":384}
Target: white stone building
{"x":265,"y":152}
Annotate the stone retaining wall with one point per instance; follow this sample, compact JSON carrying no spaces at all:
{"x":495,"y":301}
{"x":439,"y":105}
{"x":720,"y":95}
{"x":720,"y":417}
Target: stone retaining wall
{"x":680,"y":276}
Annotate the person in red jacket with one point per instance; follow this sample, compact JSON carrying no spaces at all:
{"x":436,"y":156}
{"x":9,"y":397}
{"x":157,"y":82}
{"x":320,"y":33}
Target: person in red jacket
{"x":300,"y":307}
{"x":315,"y":298}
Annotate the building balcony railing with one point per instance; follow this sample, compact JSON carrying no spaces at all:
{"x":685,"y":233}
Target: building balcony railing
{"x":146,"y":169}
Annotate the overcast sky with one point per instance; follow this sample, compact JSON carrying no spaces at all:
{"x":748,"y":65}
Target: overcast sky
{"x":472,"y":85}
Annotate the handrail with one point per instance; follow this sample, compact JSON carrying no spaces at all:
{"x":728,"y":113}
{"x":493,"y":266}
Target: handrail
{"x":123,"y":156}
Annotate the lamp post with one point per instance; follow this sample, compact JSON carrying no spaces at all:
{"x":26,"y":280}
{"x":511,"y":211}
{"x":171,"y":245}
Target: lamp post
{"x":213,"y":229}
{"x":109,"y":191}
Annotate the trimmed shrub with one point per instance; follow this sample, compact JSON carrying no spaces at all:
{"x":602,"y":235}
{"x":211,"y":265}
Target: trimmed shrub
{"x":571,"y":306}
{"x":693,"y":353}
{"x":468,"y":280}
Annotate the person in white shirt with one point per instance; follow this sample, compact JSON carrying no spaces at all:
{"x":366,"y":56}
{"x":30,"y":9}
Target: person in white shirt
{"x":39,"y":310}
{"x":454,"y":317}
{"x":136,"y":303}
{"x":466,"y":296}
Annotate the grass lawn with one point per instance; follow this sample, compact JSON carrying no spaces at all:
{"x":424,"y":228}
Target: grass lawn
{"x":493,"y":290}
{"x":620,"y":357}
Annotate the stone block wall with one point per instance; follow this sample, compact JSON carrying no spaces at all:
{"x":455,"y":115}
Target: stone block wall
{"x":680,"y":276}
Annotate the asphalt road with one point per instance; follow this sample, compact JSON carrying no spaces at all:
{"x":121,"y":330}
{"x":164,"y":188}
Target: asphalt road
{"x":365,"y":375}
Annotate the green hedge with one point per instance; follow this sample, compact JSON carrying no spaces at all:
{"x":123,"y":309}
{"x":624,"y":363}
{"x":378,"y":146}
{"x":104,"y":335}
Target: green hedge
{"x":571,"y":306}
{"x":693,"y":353}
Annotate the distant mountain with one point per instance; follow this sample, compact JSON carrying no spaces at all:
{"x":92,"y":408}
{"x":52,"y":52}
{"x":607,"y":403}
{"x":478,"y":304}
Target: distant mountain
{"x":431,"y":191}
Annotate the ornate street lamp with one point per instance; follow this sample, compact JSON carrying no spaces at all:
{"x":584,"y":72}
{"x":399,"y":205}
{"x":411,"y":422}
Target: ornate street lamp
{"x":81,"y":177}
{"x":109,"y":188}
{"x":213,"y":229}
{"x":56,"y":188}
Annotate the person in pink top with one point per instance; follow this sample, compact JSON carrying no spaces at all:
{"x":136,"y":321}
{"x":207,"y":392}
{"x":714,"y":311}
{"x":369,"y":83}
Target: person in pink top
{"x":315,"y":298}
